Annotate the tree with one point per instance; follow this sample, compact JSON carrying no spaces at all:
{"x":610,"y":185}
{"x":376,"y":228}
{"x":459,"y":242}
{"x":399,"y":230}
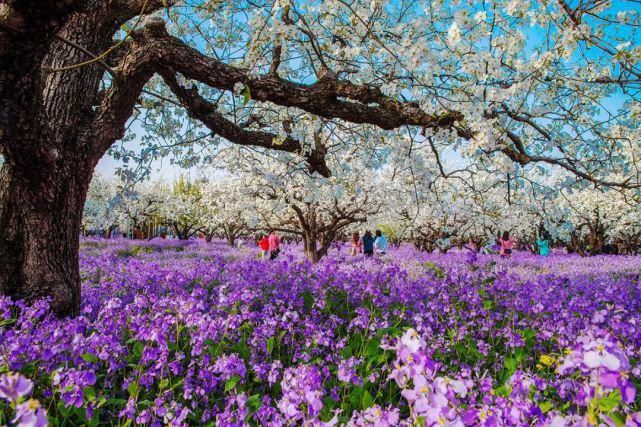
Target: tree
{"x":227,"y":212}
{"x":596,"y":220}
{"x":182,"y":208}
{"x":111,"y":206}
{"x":74,"y":71}
{"x":101,"y":207}
{"x":289,"y":200}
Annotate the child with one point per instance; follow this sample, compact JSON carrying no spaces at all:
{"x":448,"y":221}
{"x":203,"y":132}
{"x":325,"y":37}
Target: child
{"x":356,"y":245}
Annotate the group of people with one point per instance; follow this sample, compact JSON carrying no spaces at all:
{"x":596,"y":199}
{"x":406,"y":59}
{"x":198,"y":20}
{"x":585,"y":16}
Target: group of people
{"x":368,"y":244}
{"x":269,"y":245}
{"x":377,"y":244}
{"x":507,"y":243}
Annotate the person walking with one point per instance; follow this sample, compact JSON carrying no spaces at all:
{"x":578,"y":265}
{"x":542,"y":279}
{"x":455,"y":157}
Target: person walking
{"x":506,"y":245}
{"x":274,"y":245}
{"x":368,"y":243}
{"x":543,"y":244}
{"x":356,"y":245}
{"x":263,"y":244}
{"x":380,"y":244}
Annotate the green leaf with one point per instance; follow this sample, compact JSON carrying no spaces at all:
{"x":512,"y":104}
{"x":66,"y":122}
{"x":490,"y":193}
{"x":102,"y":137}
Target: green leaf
{"x":90,"y":357}
{"x":253,"y":404}
{"x":308,"y":300}
{"x":619,"y":419}
{"x":520,"y":354}
{"x":367,"y":400}
{"x":243,"y":349}
{"x":355,"y":397}
{"x":608,"y":403}
{"x":545,"y":406}
{"x":177,"y":383}
{"x":270,"y":345}
{"x":231,"y":383}
{"x":529,"y":334}
{"x":511,"y":364}
{"x":116,"y":402}
{"x":373,"y":347}
{"x":246,"y":95}
{"x":138,"y":349}
{"x":90,"y":394}
{"x":133,"y":389}
{"x":346,"y":352}
{"x":7,"y":322}
{"x":504,"y":391}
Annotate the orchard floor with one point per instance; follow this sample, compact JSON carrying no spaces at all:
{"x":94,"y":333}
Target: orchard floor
{"x":202,"y":334}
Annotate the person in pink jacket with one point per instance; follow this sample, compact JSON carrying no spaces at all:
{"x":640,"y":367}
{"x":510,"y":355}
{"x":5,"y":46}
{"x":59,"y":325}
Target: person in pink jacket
{"x":274,"y":245}
{"x":506,"y":245}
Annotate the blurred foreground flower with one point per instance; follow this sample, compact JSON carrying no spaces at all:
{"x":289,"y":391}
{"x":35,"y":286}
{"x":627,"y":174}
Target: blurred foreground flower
{"x":13,"y":388}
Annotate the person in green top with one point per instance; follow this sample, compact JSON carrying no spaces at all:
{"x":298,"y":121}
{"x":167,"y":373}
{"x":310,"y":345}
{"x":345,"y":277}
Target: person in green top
{"x":544,"y":244}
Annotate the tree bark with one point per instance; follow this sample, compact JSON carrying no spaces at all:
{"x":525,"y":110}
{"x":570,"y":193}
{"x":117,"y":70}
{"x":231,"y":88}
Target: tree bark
{"x":48,"y":145}
{"x":309,"y":244}
{"x":40,"y":219}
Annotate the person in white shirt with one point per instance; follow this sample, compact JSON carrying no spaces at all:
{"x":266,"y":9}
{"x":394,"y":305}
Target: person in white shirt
{"x":380,"y":243}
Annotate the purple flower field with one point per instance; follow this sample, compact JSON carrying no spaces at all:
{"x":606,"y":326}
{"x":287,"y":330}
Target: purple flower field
{"x":176,"y":333}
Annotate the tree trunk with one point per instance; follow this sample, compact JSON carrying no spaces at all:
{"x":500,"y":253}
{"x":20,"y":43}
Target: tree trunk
{"x":309,"y":243}
{"x":40,"y":220}
{"x":231,"y":238}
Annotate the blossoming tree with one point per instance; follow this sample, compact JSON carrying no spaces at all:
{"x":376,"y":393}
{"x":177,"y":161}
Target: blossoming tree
{"x":285,"y":197}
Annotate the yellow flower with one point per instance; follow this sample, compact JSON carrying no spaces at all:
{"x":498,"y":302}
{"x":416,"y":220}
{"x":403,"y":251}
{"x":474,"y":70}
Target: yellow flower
{"x":547,"y":360}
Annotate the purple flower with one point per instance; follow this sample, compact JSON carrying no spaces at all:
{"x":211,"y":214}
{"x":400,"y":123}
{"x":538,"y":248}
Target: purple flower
{"x":302,"y":392}
{"x":347,"y":371}
{"x":229,"y":366}
{"x":72,"y":383}
{"x":375,"y":416}
{"x":30,"y":414}
{"x":14,"y":386}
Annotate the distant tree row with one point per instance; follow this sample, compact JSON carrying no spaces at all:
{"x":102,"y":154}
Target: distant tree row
{"x":437,"y":215}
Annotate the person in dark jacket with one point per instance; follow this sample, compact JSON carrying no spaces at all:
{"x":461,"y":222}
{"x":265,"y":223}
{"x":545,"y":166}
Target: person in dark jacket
{"x":368,"y":244}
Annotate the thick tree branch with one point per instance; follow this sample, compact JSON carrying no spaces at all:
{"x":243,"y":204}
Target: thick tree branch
{"x":200,"y":109}
{"x":329,"y":97}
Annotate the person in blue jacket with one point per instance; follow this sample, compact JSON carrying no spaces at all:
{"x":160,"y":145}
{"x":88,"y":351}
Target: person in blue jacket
{"x":380,"y":243}
{"x":543,"y":243}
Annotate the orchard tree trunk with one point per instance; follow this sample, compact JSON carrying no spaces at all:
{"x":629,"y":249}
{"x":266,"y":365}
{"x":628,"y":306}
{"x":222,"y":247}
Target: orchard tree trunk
{"x":40,"y":220}
{"x":49,"y":143}
{"x":310,"y":248}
